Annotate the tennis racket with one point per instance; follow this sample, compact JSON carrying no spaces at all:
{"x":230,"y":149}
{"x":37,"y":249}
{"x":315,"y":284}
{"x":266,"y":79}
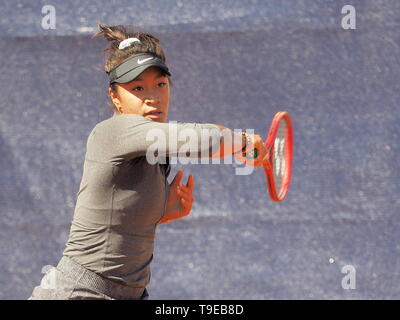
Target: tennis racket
{"x":278,"y":163}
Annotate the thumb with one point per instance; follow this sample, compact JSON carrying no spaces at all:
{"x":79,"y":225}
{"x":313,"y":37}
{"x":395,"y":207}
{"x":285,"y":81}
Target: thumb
{"x":177,"y":179}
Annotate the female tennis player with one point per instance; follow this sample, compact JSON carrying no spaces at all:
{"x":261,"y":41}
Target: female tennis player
{"x":122,"y":197}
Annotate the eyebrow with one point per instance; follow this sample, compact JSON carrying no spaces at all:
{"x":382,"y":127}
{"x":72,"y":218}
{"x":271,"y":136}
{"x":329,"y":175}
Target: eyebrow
{"x":160,"y":75}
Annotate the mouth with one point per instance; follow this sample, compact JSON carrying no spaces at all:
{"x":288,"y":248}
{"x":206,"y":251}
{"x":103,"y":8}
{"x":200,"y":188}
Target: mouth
{"x":155,"y":115}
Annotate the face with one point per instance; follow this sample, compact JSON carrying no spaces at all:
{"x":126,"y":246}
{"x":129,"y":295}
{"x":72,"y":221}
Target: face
{"x":145,"y":95}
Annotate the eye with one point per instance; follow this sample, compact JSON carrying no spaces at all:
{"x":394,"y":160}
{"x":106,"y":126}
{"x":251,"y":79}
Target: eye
{"x":162,"y":84}
{"x":138,"y":88}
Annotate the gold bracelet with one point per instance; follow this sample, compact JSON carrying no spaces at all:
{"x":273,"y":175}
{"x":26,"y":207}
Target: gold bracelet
{"x":247,"y":141}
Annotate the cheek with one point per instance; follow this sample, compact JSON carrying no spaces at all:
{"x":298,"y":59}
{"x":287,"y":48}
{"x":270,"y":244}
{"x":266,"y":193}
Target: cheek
{"x":166,"y":96}
{"x":131,"y":98}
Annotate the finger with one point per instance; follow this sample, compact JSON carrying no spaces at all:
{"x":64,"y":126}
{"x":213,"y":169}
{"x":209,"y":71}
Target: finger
{"x":186,"y":205}
{"x":263,"y":154}
{"x":266,"y":162}
{"x":177,"y":179}
{"x":257,"y":163}
{"x":240,"y":159}
{"x":259,"y":160}
{"x":185,"y":195}
{"x":252,"y":162}
{"x":185,"y":190}
{"x":190,"y":182}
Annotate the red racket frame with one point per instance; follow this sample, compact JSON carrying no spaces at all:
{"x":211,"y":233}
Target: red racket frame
{"x":279,"y":195}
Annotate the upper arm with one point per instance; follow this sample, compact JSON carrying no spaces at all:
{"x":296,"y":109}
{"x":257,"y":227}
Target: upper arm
{"x":130,"y":136}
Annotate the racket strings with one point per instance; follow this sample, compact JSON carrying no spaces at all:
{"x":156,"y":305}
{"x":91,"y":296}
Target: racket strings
{"x":279,"y":163}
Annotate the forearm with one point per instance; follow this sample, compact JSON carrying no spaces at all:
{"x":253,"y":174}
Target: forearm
{"x":231,"y":142}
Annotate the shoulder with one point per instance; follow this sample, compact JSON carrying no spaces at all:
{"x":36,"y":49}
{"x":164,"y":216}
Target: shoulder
{"x":121,"y":119}
{"x":119,"y":123}
{"x":113,"y":131}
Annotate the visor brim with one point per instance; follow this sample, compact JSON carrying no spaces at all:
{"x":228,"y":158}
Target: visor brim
{"x":134,"y":73}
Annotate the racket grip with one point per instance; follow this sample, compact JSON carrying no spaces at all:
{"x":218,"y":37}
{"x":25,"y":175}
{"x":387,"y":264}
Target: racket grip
{"x":252,"y":154}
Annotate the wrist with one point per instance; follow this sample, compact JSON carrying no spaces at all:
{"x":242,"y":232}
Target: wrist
{"x":246,"y":142}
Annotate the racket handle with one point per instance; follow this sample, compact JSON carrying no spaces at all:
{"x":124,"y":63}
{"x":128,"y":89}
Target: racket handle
{"x":252,"y":154}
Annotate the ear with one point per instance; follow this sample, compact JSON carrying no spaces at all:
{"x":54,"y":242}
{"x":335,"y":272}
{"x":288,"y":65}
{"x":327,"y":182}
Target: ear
{"x":112,"y":94}
{"x":115,"y":100}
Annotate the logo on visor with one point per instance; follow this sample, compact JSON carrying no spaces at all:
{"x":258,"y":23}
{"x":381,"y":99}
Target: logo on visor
{"x":144,"y":60}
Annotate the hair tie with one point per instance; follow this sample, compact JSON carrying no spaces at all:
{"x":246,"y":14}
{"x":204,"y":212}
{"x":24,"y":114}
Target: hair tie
{"x":127,"y":42}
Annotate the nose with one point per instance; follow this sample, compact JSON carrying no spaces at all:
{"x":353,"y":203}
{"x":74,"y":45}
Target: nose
{"x":154,"y":102}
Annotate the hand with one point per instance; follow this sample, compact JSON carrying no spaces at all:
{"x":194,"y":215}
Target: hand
{"x":180,"y":198}
{"x":257,"y":143}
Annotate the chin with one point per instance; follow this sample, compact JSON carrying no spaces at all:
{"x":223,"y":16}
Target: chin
{"x":157,"y":120}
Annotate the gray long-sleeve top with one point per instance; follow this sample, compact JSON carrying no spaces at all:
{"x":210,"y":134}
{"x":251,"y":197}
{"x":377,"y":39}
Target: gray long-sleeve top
{"x":122,"y":196}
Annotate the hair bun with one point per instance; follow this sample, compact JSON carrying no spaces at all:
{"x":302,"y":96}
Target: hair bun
{"x":112,"y":33}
